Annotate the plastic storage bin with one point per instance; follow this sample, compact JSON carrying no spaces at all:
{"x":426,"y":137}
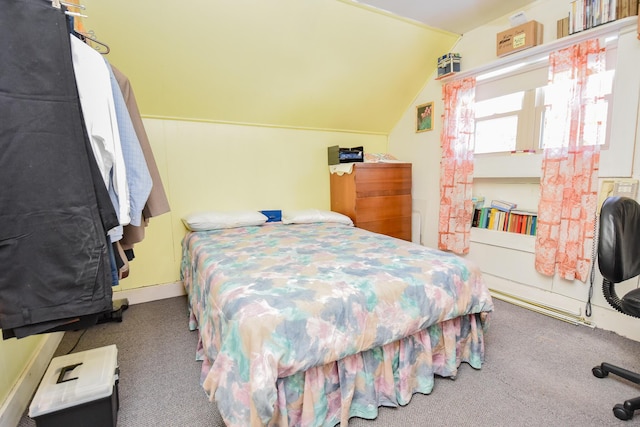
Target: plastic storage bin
{"x":449,"y":63}
{"x":79,"y":389}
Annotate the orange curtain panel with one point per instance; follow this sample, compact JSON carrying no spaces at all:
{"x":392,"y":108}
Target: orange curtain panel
{"x":574,"y":128}
{"x":456,"y":167}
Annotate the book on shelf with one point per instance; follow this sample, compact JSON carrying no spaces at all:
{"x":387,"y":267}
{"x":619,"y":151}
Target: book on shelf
{"x":478,"y":202}
{"x":524,"y":212}
{"x":483,"y":220}
{"x":502,"y":216}
{"x":503,"y":205}
{"x":493,"y":219}
{"x":513,"y":221}
{"x":586,"y":14}
{"x":475,"y":220}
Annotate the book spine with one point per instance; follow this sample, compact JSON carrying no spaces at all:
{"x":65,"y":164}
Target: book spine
{"x":485,"y":217}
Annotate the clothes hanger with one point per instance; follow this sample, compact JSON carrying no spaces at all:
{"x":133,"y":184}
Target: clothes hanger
{"x":58,"y":5}
{"x":89,"y":39}
{"x":86,"y":38}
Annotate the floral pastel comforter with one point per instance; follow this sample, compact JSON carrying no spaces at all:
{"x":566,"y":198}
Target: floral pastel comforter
{"x":276,"y":300}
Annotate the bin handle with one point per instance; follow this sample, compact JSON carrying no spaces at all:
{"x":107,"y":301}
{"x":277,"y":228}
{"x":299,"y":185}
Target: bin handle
{"x":64,"y":371}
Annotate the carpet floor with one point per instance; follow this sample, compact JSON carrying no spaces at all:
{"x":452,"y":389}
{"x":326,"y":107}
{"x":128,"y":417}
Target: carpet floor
{"x":537,"y":372}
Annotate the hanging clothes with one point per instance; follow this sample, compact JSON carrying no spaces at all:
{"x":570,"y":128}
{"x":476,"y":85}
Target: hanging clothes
{"x":157,"y":203}
{"x":139,"y":181}
{"x":98,"y":108}
{"x":54,"y":208}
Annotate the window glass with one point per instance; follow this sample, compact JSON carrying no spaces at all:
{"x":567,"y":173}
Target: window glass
{"x":556,"y":113}
{"x":496,"y":135}
{"x":500,"y":104}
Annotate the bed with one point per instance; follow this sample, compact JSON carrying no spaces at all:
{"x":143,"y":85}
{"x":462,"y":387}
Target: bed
{"x":312,"y":324}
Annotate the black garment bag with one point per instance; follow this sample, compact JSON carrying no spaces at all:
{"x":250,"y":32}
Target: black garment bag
{"x":54,"y":207}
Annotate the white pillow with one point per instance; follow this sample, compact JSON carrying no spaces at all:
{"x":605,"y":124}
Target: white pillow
{"x":314,"y":215}
{"x":213,"y":220}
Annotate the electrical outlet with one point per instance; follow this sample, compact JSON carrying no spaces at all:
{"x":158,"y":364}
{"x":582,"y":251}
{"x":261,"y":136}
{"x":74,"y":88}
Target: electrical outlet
{"x":626,"y":188}
{"x":617,"y":187}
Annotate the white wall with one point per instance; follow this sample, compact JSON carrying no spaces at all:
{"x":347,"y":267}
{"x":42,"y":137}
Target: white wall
{"x":506,"y":260}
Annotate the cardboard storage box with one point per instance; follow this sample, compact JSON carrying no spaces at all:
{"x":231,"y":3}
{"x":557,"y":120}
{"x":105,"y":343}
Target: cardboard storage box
{"x":79,"y":389}
{"x":448,"y":63}
{"x":519,"y":38}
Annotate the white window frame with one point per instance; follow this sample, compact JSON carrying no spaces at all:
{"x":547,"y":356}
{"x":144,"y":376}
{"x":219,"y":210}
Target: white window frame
{"x":617,"y":161}
{"x":528,"y":135}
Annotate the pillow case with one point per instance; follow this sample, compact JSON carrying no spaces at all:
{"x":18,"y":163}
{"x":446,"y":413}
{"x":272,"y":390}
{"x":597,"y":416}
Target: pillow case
{"x":213,"y":220}
{"x":309,"y":216}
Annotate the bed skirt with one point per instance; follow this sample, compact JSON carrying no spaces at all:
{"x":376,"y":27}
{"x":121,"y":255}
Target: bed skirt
{"x":357,"y":385}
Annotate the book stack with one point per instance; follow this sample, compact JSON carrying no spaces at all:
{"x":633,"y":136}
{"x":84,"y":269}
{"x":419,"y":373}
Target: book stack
{"x":500,"y":217}
{"x":503,"y":205}
{"x":523,"y":222}
{"x":585,"y":14}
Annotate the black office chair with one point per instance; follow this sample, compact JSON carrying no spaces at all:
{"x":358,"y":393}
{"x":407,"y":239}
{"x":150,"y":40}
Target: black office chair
{"x":619,"y":260}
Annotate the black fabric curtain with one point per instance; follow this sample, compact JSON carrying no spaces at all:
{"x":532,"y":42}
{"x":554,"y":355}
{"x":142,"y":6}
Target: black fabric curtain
{"x":55,"y":269}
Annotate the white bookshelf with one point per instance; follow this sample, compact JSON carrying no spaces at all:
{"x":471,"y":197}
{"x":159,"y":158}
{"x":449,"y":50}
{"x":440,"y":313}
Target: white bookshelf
{"x":504,"y":239}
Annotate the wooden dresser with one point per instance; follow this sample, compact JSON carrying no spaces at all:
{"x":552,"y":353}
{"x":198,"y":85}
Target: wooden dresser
{"x":376,"y":196}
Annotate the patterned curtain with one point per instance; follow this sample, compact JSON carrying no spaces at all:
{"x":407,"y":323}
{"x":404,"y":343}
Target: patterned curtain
{"x":456,"y":167}
{"x":574,"y":127}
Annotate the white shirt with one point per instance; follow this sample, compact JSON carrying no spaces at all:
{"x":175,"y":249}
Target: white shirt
{"x":94,"y":87}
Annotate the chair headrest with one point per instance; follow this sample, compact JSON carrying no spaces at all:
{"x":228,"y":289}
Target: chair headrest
{"x":619,"y":239}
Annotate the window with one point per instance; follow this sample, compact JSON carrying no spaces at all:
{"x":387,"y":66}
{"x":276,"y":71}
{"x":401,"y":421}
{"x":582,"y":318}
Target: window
{"x":497,"y":123}
{"x":552,"y":134}
{"x":513,"y":109}
{"x":527,"y":72}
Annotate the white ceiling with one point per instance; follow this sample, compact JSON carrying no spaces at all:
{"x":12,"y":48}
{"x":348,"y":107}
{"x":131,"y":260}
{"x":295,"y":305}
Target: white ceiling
{"x":456,"y":16}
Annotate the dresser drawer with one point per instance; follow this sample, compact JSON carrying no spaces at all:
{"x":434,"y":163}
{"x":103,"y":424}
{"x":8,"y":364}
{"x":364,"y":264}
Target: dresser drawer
{"x":394,"y":227}
{"x":383,"y":180}
{"x":376,"y":196}
{"x":382,"y":207}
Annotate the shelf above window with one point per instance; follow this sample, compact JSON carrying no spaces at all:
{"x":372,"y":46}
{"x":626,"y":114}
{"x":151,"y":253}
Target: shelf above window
{"x":536,"y":53}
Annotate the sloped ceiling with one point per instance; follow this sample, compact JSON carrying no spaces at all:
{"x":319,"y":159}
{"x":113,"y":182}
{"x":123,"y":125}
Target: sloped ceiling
{"x":317,"y":64}
{"x":457,"y":16}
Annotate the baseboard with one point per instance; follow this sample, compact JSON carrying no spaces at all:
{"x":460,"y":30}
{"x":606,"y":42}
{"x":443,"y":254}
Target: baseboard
{"x":18,"y":400}
{"x":151,"y":293}
{"x":21,"y":394}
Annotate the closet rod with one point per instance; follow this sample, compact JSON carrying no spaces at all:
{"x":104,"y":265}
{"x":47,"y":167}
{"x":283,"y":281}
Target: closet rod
{"x":58,"y":5}
{"x":77,"y":6}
